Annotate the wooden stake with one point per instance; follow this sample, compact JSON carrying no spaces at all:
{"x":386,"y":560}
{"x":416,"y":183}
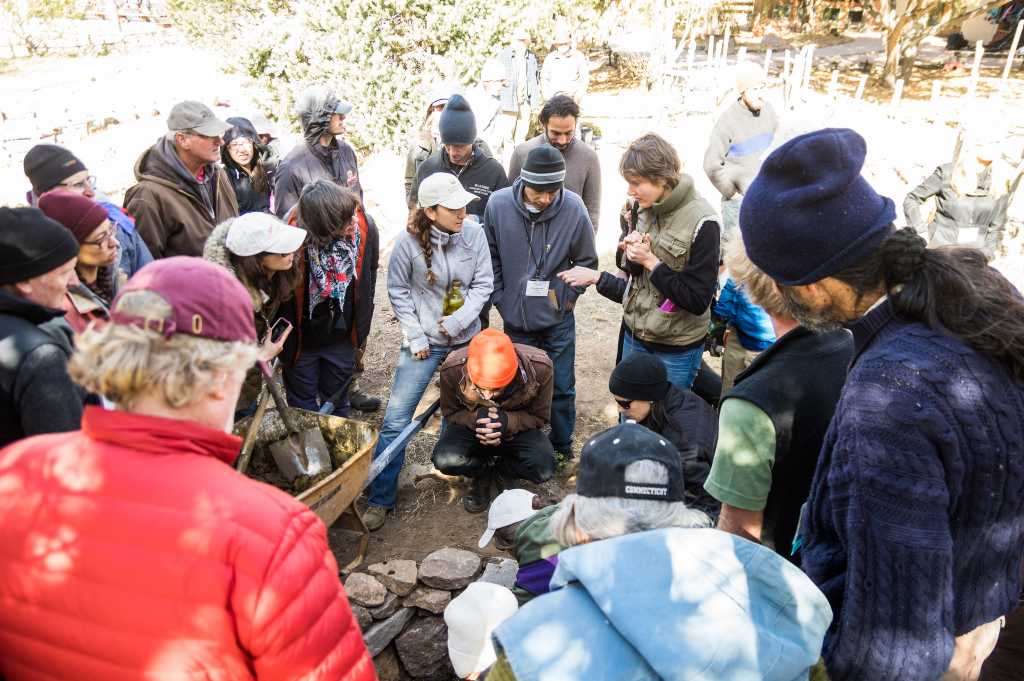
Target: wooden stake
{"x":718,"y":55}
{"x":1013,"y":49}
{"x":741,"y":55}
{"x":808,"y":66}
{"x":979,"y":51}
{"x":725,"y":45}
{"x":785,"y":67}
{"x":897,"y":95}
{"x":936,"y":91}
{"x":767,"y":62}
{"x":691,"y":53}
{"x":833,"y":84}
{"x":711,"y":50}
{"x":863,"y":83}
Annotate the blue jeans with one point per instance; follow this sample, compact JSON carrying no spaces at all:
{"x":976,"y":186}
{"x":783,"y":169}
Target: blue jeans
{"x":318,"y":374}
{"x":559,"y":342}
{"x":731,"y":217}
{"x":682,"y":366}
{"x":412,"y":376}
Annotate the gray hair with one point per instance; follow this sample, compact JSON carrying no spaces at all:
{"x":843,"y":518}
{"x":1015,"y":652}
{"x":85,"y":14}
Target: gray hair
{"x":606,"y":517}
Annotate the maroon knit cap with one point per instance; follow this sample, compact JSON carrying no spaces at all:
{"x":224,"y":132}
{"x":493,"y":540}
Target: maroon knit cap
{"x":79,"y":214}
{"x":205,"y":299}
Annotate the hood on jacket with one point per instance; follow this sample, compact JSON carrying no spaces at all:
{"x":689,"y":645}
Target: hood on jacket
{"x":548,"y":213}
{"x":674,"y":604}
{"x":315,"y":107}
{"x":216,"y":251}
{"x":160,"y":164}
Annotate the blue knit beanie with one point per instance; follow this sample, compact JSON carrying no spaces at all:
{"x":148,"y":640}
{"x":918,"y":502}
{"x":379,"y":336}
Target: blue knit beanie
{"x":458,"y":124}
{"x":809,"y":214}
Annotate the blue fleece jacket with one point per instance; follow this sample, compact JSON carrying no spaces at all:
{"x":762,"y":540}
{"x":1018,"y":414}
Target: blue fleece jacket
{"x":914,"y":527}
{"x":753,"y":324}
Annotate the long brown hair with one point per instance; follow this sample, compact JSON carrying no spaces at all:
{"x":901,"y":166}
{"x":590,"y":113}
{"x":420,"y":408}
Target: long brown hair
{"x":419,"y":227}
{"x":279,"y":286}
{"x":325,"y":209}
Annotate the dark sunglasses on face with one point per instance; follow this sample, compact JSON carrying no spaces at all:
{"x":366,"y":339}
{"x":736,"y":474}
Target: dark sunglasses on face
{"x":625,"y":404}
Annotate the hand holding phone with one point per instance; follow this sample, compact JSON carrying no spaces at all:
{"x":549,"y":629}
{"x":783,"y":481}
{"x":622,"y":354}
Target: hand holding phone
{"x":274,"y":341}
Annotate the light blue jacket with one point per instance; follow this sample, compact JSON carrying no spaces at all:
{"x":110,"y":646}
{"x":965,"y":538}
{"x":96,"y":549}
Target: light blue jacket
{"x":674,"y":604}
{"x":753,"y":323}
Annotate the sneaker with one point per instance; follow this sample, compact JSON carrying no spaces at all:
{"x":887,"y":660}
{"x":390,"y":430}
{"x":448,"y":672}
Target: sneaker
{"x":479,"y":497}
{"x":363,"y":402}
{"x":374,"y":517}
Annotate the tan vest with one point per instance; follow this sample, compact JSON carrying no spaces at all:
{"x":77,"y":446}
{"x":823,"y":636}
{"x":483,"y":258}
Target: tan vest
{"x":672,"y":224}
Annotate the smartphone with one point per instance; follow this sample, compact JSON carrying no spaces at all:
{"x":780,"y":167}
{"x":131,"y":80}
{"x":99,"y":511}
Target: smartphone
{"x":279,"y":328}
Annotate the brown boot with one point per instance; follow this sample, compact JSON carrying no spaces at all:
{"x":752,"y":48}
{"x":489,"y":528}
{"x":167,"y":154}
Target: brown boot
{"x":479,"y":497}
{"x":374,"y":517}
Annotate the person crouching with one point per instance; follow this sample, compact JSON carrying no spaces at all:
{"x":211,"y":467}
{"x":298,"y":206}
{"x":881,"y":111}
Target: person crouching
{"x":496,"y":397}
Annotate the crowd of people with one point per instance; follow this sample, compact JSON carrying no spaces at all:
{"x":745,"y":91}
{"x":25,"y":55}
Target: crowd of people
{"x":843,"y":502}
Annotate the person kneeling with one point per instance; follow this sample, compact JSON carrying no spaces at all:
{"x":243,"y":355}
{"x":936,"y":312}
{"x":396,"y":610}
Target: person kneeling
{"x":495,"y":397}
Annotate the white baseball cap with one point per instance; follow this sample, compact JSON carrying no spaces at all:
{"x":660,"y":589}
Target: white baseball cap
{"x":472,"y":617}
{"x":511,"y":506}
{"x":443,"y":189}
{"x":255,"y":233}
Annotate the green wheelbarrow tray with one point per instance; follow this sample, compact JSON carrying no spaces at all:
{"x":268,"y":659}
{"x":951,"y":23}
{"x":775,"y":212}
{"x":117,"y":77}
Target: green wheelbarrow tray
{"x":330,"y":497}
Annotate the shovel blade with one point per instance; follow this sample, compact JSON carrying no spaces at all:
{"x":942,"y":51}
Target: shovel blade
{"x":301,"y":454}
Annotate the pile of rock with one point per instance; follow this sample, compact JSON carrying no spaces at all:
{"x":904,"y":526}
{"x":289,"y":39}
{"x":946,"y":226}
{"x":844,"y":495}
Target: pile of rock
{"x":400,"y":605}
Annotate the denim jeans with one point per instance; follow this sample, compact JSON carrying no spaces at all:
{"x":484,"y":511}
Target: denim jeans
{"x":559,"y":341}
{"x":731,"y":217}
{"x":412,"y":376}
{"x":682,"y":366}
{"x":318,"y":374}
{"x":524,"y":456}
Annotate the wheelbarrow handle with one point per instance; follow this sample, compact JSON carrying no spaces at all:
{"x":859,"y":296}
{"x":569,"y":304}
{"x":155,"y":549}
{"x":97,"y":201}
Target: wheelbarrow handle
{"x":381,"y":462}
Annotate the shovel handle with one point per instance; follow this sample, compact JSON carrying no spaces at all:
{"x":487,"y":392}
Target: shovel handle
{"x":279,"y":399}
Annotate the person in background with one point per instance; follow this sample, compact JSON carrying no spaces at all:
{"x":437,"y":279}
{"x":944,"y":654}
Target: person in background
{"x":924,"y":449}
{"x":322,"y":154}
{"x":640,"y":387}
{"x":427,"y":139}
{"x":441,"y":258}
{"x":471,"y":618}
{"x":111,"y":499}
{"x":534,"y":302}
{"x":495,"y":398}
{"x":971,"y":196}
{"x":267,"y":136}
{"x":566,"y":70}
{"x":180,"y":193}
{"x":485,"y":101}
{"x":669,"y":252}
{"x":559,"y":117}
{"x":522,"y":85}
{"x":462,"y":156}
{"x":746,"y":331}
{"x":739,"y":141}
{"x":333,"y":302}
{"x":37,"y":263}
{"x":95,"y":283}
{"x":242,"y":156}
{"x":772,"y":423}
{"x":636,"y":555}
{"x":49,"y":166}
{"x":260,"y":251}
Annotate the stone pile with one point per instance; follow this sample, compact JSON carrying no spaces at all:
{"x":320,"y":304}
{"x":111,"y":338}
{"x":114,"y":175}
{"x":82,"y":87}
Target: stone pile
{"x":400,"y":607}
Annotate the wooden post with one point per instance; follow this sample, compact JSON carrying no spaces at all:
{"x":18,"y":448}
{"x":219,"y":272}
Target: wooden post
{"x":785,"y":67}
{"x":718,"y":55}
{"x":897,"y":95}
{"x":833,"y":84}
{"x":741,"y":55}
{"x":979,"y":51}
{"x":725,"y":45}
{"x":691,"y":54}
{"x":860,"y":87}
{"x":808,"y":67}
{"x":711,"y":50}
{"x":1013,"y":49}
{"x":936,"y":91}
{"x":767,"y":62}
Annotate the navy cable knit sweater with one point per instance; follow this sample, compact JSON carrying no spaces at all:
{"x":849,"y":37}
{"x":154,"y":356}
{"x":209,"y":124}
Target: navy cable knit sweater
{"x":914,"y":528}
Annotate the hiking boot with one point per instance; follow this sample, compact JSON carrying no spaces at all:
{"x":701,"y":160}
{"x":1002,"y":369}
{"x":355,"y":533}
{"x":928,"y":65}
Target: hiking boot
{"x":374,"y":517}
{"x":479,"y":497}
{"x":362,"y":401}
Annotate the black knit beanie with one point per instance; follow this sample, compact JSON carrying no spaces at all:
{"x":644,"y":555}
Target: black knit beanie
{"x":32,"y":244}
{"x":47,"y":165}
{"x":457,"y":124}
{"x":544,"y":169}
{"x":640,"y":377}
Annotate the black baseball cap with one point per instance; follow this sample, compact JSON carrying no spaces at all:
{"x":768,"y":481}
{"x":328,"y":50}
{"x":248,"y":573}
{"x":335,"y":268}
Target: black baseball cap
{"x":603,"y":462}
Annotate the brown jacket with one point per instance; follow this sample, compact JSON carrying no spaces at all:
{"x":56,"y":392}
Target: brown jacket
{"x":168,"y":205}
{"x":529,"y":406}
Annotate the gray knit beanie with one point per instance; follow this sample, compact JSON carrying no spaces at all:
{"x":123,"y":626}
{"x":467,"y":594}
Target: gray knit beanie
{"x":458,"y":124}
{"x":544,"y":169}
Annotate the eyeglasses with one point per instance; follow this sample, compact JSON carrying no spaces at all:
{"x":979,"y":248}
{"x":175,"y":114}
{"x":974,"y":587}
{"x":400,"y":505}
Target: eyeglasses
{"x":243,"y":143}
{"x":109,"y":237}
{"x":625,"y":404}
{"x":81,"y":185}
{"x":437,"y":107}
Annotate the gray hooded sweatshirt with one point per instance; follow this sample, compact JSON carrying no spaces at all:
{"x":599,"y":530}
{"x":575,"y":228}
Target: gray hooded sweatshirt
{"x":418,"y":305}
{"x":536,"y":246}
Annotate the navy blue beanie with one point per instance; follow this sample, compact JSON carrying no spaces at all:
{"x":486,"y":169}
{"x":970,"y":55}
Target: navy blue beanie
{"x":809,"y":214}
{"x":458,"y":124}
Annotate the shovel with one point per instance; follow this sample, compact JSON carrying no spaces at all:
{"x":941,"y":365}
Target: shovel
{"x":299,"y":453}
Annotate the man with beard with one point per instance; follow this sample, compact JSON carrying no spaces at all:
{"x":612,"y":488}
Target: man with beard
{"x":559,"y":117}
{"x":181,"y":194}
{"x":914,"y":525}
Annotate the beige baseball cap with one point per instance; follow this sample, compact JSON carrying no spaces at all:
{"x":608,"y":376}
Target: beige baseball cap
{"x":255,"y":233}
{"x":443,"y":189}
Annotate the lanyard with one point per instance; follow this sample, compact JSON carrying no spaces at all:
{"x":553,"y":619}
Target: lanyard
{"x":538,"y":264}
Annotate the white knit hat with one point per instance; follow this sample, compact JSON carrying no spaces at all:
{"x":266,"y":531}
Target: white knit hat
{"x":471,"y":618}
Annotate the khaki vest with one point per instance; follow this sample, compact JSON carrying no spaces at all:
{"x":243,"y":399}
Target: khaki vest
{"x":671,"y":224}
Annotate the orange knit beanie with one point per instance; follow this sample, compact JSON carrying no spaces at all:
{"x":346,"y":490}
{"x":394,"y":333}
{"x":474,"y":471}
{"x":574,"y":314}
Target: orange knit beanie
{"x":492,"y":362}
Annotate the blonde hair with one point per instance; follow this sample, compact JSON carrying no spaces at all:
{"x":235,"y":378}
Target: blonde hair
{"x":966,"y":167}
{"x":759,"y":287}
{"x":124,"y":363}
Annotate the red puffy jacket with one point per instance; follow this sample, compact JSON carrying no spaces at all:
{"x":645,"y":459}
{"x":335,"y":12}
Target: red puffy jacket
{"x":132,"y":550}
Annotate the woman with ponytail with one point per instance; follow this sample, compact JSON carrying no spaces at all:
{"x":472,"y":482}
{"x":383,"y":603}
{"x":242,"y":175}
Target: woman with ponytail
{"x":914,"y":525}
{"x":441,"y":254}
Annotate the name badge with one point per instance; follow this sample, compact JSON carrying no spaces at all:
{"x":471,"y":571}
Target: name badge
{"x":535,"y":287}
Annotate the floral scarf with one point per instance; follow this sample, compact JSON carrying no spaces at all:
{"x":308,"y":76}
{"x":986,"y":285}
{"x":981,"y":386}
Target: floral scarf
{"x":331,"y":269}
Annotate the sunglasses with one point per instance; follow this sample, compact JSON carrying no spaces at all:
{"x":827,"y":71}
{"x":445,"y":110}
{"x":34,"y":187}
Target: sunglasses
{"x":625,"y":404}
